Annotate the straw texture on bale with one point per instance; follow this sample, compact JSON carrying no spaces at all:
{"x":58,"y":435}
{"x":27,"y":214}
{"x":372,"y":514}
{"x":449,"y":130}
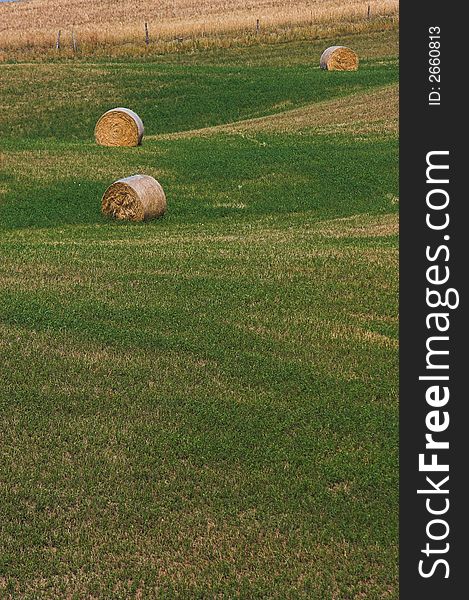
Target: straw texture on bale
{"x":135,"y":198}
{"x":339,"y":58}
{"x":119,"y":127}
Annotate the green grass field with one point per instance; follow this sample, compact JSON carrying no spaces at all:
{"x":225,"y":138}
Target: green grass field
{"x":203,"y":406}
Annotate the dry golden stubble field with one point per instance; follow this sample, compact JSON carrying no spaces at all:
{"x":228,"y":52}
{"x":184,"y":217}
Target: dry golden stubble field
{"x":35,"y":23}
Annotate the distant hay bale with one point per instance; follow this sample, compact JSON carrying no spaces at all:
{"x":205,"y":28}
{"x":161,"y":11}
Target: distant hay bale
{"x":135,"y":198}
{"x":119,"y":127}
{"x":339,"y":58}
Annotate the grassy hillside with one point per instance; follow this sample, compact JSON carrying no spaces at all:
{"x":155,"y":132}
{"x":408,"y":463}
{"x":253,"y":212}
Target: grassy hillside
{"x":204,"y":406}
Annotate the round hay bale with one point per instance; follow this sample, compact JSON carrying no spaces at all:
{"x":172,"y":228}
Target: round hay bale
{"x":119,"y":127}
{"x":339,"y":58}
{"x":135,"y":198}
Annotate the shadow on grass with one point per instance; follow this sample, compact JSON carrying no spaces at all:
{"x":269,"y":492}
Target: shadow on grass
{"x":63,"y":203}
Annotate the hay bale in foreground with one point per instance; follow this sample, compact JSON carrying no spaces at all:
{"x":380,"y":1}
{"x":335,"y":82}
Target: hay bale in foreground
{"x":135,"y":198}
{"x":339,"y":58}
{"x":119,"y":127}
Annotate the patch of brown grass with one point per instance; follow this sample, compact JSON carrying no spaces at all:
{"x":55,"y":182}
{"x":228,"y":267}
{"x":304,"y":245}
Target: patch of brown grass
{"x":361,"y":225}
{"x":362,"y":335}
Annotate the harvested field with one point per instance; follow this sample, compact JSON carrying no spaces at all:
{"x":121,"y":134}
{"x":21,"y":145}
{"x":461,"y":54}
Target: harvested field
{"x":203,"y":405}
{"x":36,"y":22}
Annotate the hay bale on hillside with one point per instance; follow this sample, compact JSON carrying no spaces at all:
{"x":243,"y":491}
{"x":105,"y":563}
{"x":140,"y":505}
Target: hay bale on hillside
{"x":135,"y":198}
{"x":339,"y":58}
{"x":119,"y":127}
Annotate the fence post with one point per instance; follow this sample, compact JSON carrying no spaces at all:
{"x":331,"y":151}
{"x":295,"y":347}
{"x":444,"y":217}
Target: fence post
{"x":74,"y":41}
{"x":147,"y":34}
{"x":57,"y":43}
{"x":369,"y":11}
{"x":258,"y":26}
